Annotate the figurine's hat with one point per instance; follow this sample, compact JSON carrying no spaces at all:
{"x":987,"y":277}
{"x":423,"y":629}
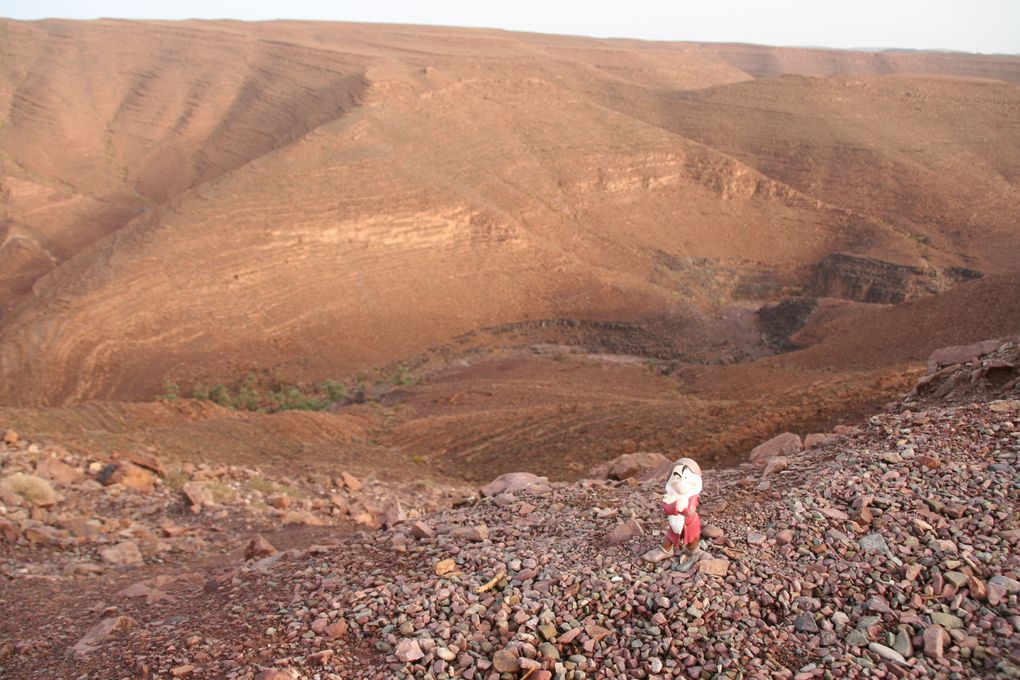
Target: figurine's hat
{"x":689,"y":464}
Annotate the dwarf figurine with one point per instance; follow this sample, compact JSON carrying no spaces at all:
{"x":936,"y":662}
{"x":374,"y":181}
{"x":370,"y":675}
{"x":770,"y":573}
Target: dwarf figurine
{"x":680,"y":503}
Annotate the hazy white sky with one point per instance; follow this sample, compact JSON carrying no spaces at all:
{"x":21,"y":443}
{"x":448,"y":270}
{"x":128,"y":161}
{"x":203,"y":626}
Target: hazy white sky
{"x":970,"y":25}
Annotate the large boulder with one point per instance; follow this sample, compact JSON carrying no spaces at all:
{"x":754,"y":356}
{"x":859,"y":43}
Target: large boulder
{"x":393,"y":515}
{"x":58,"y":471}
{"x":127,"y":474}
{"x":511,"y":482}
{"x":198,"y":494}
{"x":959,"y":354}
{"x":818,"y":439}
{"x":142,"y":459}
{"x":258,"y":547}
{"x":125,"y":553}
{"x":636,"y":465}
{"x":785,"y":444}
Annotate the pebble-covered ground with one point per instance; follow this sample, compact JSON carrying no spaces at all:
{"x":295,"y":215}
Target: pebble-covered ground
{"x":67,"y":514}
{"x":889,"y":552}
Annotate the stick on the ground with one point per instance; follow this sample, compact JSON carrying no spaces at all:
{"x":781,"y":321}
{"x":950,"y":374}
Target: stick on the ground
{"x":491,"y":584}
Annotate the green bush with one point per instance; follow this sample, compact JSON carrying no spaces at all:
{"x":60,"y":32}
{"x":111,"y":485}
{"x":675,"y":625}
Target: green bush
{"x":290,"y":398}
{"x":221,"y":395}
{"x":335,"y":391}
{"x":402,"y":377}
{"x":278,"y":396}
{"x":248,"y":397}
{"x":171,"y":391}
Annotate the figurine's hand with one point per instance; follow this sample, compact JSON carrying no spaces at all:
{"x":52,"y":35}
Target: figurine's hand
{"x":681,"y":502}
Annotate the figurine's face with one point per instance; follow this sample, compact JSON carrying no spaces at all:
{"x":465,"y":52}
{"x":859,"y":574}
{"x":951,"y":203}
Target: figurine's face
{"x":683,"y":481}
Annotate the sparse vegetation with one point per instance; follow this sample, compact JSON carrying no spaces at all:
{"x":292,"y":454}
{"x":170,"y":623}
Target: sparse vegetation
{"x":290,"y":398}
{"x":248,"y":397}
{"x":266,"y":487}
{"x":171,"y":391}
{"x":270,"y":396}
{"x":221,"y":395}
{"x":175,"y":479}
{"x":260,"y":484}
{"x":402,"y":377}
{"x":335,"y":391}
{"x":221,"y":492}
{"x":272,"y":393}
{"x":289,"y":490}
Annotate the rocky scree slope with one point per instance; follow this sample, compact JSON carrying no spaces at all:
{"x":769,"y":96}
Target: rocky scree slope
{"x":890,"y":552}
{"x":65,"y":515}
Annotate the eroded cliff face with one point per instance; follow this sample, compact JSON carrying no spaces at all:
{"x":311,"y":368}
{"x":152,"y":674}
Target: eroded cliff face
{"x":864,"y":279}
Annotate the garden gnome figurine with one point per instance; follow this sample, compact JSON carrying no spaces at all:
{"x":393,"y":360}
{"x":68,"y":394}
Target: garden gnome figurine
{"x":680,"y":503}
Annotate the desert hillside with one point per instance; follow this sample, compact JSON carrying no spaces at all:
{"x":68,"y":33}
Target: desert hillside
{"x":202,"y":200}
{"x":362,"y":351}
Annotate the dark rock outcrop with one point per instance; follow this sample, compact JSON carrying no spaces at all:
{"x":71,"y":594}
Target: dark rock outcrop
{"x":868,"y":280}
{"x":781,"y":320}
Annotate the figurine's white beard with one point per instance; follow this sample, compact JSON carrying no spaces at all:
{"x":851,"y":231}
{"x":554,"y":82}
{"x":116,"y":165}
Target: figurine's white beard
{"x":676,"y":523}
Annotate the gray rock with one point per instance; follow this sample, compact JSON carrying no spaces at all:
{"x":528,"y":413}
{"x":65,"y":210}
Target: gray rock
{"x":755,"y":538}
{"x":903,"y":643}
{"x":873,"y":543}
{"x":857,"y":638}
{"x":866,"y":622}
{"x":955,"y":577}
{"x":805,"y":623}
{"x":947,"y":620}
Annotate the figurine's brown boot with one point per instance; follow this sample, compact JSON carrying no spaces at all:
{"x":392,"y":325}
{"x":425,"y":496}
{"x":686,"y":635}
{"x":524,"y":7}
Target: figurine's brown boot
{"x":691,"y":557}
{"x":656,"y":555}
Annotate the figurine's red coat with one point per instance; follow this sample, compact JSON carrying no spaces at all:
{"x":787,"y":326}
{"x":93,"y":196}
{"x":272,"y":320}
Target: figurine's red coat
{"x":692,"y":523}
